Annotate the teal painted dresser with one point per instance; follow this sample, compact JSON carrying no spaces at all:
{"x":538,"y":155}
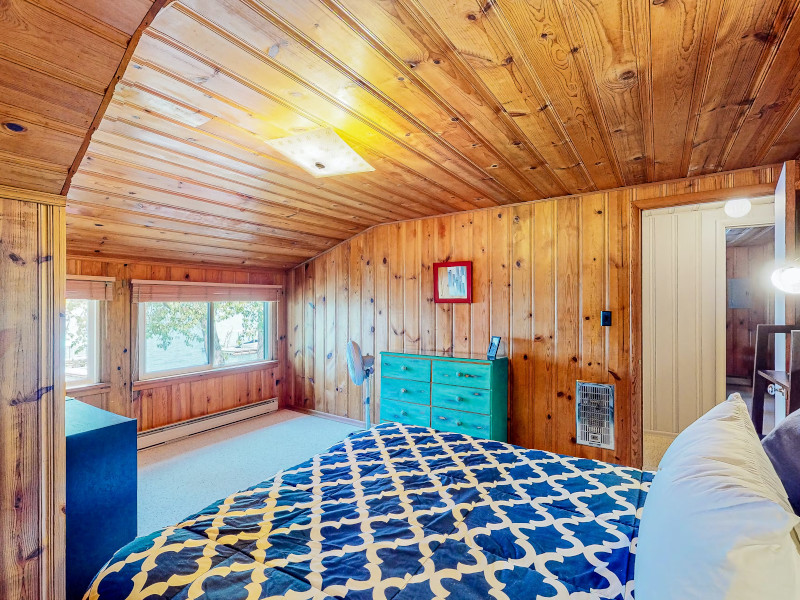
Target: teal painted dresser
{"x":449,"y":392}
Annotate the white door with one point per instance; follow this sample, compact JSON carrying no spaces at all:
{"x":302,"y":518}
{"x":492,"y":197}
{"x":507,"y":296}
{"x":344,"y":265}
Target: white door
{"x":683,"y":310}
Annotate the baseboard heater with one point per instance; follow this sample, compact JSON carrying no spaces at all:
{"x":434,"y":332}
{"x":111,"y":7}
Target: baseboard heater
{"x":171,"y":433}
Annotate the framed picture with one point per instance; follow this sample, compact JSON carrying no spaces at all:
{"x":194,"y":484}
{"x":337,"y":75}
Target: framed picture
{"x":494,"y":346}
{"x":452,"y":282}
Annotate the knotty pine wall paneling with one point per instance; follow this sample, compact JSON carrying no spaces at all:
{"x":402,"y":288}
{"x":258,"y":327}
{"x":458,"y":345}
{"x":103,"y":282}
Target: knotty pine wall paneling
{"x":32,"y":461}
{"x":542,"y":272}
{"x":156,"y":403}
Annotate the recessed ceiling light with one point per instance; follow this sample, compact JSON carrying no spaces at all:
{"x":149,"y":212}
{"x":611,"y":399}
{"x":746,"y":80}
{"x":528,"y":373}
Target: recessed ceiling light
{"x":322,"y":153}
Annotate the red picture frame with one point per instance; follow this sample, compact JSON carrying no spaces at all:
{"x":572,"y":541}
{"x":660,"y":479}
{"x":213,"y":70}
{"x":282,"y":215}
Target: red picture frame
{"x":452,"y":282}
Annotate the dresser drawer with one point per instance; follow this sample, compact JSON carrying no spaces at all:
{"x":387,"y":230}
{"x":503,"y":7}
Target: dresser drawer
{"x":406,"y":390}
{"x":462,"y":373}
{"x":405,"y":412}
{"x":460,"y":422}
{"x":461,"y":398}
{"x":404,"y":367}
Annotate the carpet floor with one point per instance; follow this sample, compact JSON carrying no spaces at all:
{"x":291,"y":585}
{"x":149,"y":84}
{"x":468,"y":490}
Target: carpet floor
{"x":182,"y":477}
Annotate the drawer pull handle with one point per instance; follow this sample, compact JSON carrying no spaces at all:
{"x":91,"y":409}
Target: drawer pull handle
{"x":404,"y":368}
{"x":459,"y":399}
{"x":476,"y":393}
{"x":443,"y":418}
{"x":459,"y":374}
{"x":403,"y":390}
{"x":458,"y":423}
{"x":403,"y":413}
{"x":478,"y":426}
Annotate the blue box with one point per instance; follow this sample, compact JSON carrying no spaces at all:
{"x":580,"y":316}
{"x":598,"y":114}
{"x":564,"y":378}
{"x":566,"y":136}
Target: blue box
{"x":101,"y":490}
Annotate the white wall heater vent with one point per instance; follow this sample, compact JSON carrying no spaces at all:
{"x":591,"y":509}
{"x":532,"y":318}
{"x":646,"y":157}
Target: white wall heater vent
{"x":594,"y":412}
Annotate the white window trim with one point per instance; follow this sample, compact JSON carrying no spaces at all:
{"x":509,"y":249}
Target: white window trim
{"x":270,"y":337}
{"x":92,"y":348}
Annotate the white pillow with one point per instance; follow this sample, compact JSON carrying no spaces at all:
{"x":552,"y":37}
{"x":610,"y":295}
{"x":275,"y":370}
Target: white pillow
{"x":717,"y":524}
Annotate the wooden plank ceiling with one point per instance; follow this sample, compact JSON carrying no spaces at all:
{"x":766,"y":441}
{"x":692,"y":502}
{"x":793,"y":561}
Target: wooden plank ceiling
{"x":57,"y":58}
{"x":457,"y":104}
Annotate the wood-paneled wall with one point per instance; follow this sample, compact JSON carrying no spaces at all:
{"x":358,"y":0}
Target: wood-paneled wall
{"x":753,"y":264}
{"x":542,"y":272}
{"x":32,"y":459}
{"x":161,"y":402}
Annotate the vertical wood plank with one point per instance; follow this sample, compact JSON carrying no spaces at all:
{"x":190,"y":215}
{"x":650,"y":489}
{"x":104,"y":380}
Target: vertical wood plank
{"x":396,"y":288}
{"x":462,"y":313}
{"x":427,"y":309}
{"x":444,"y":311}
{"x":544,"y":323}
{"x":353,"y":301}
{"x":341,"y":328}
{"x":568,"y":326}
{"x":309,"y":324}
{"x":382,"y":275}
{"x":520,"y":344}
{"x":333,"y":259}
{"x":367,"y":267}
{"x":480,"y":282}
{"x":500,"y":282}
{"x":410,"y":240}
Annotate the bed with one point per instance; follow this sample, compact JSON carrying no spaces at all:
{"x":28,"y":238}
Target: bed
{"x":401,"y":512}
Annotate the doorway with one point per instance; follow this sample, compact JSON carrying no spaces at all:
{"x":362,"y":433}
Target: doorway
{"x":684,"y":314}
{"x":750,"y":300}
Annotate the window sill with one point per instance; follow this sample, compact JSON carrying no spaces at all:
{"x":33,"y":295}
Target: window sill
{"x":146,"y":384}
{"x":88,"y":390}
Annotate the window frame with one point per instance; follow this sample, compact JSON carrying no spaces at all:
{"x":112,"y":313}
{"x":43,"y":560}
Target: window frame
{"x":93,"y":349}
{"x":270,"y":339}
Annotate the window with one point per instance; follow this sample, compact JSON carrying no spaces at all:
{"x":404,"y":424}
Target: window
{"x":185,"y":337}
{"x":82,"y":355}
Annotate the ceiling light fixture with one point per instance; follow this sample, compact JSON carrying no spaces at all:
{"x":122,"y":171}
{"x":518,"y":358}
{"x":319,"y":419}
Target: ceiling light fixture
{"x":787,"y":278}
{"x":738,"y":208}
{"x":321,"y":153}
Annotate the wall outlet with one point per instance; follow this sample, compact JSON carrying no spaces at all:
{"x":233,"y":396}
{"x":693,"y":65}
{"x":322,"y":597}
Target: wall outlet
{"x":605,"y":318}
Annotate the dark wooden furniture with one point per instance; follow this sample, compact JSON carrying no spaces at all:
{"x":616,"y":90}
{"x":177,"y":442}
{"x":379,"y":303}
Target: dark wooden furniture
{"x":764,"y":375}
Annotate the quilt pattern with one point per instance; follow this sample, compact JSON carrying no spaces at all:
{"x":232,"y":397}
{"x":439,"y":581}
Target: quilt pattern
{"x":405,"y":513}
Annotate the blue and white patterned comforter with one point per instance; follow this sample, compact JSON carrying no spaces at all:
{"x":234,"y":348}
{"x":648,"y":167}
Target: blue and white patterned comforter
{"x":405,"y":513}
